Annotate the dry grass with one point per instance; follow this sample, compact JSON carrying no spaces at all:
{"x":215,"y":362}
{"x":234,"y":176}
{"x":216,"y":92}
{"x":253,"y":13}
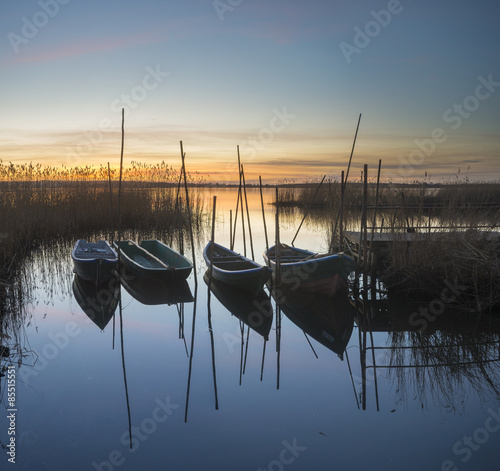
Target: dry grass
{"x":38,"y":205}
{"x":466,"y":258}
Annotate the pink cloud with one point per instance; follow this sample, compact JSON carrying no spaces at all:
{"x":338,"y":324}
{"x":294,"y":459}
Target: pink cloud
{"x":87,"y":46}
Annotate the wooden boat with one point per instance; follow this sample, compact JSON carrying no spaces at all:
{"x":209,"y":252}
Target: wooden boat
{"x":235,"y":269}
{"x":328,"y":320}
{"x":94,"y":261}
{"x":162,"y":261}
{"x":254,"y":310}
{"x":310,"y":271}
{"x":180,"y":265}
{"x":98,"y":302}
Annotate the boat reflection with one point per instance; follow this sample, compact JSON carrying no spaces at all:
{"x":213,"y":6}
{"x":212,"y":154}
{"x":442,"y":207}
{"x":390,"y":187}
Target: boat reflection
{"x":151,"y":290}
{"x":254,"y":310}
{"x":98,"y":302}
{"x":328,"y":320}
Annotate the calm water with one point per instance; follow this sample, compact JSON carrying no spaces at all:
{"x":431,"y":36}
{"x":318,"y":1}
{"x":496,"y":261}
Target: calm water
{"x":191,"y":407}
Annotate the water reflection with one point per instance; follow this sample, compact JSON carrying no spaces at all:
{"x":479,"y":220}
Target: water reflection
{"x":254,"y":310}
{"x":450,"y":365}
{"x":151,"y":291}
{"x":328,"y":320}
{"x":438,"y":362}
{"x":98,"y":302}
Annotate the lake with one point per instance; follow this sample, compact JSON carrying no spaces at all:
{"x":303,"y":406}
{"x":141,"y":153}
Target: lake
{"x":187,"y":386}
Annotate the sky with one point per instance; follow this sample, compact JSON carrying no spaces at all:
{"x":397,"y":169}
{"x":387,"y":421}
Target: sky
{"x":285,"y":80}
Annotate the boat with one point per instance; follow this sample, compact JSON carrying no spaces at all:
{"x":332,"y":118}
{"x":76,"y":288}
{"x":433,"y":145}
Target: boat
{"x":161,"y":262}
{"x":180,"y":265}
{"x":310,"y":271}
{"x":98,"y":302}
{"x":327,"y":319}
{"x":94,"y":261}
{"x":254,"y":310}
{"x":235,"y":269}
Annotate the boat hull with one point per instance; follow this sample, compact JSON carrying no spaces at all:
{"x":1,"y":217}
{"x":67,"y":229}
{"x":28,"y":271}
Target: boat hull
{"x":94,"y":261}
{"x":236,"y":270}
{"x":158,"y":263}
{"x":181,"y":266}
{"x":302,"y":269}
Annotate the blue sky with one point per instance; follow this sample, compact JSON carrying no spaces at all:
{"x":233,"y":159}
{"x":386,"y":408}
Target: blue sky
{"x":284,"y":80}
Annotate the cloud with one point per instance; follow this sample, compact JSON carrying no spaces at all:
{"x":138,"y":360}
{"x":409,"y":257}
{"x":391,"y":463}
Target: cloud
{"x":88,"y":46}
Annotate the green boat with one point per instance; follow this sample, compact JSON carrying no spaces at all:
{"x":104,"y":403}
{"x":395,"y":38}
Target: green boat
{"x":153,"y":258}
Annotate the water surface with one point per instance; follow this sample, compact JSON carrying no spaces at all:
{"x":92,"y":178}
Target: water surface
{"x":159,"y":371}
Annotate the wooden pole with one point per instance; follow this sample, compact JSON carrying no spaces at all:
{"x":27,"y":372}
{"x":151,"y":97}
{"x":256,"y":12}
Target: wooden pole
{"x":248,"y":212}
{"x":277,"y":289}
{"x":125,"y":373}
{"x":246,"y":351}
{"x":263,"y":212}
{"x":341,"y":208}
{"x":242,"y":331}
{"x":241,"y":205}
{"x":209,"y":310}
{"x":236,"y":215}
{"x":230,"y":228}
{"x":212,"y":240}
{"x":263,"y":359}
{"x":120,"y":183}
{"x":370,"y":249}
{"x":111,"y":204}
{"x":365,"y":218}
{"x":352,"y":150}
{"x":188,"y":208}
{"x":345,"y":180}
{"x":191,"y":352}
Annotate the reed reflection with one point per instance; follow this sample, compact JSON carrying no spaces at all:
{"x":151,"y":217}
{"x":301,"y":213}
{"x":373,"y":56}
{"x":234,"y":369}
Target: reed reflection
{"x":456,"y":354}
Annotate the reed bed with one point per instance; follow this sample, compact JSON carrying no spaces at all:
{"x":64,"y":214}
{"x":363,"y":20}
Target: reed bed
{"x":42,"y":204}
